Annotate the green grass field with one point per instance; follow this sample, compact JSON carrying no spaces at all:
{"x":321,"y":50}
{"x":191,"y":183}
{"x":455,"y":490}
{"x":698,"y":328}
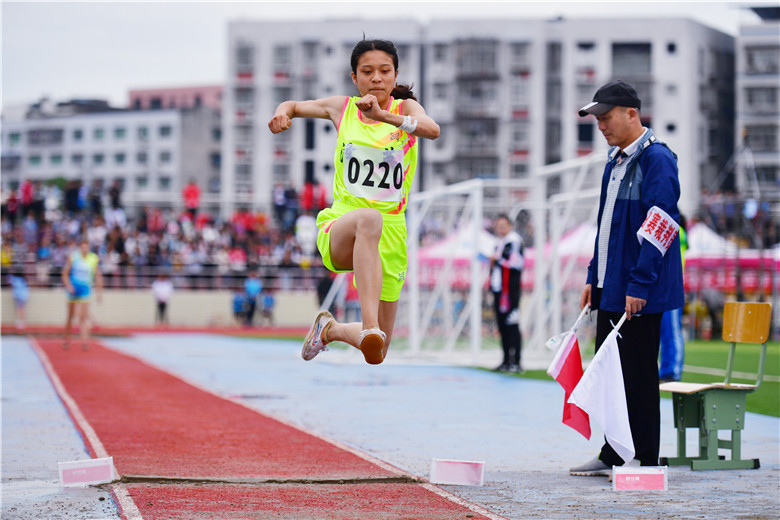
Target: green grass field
{"x":705,"y":362}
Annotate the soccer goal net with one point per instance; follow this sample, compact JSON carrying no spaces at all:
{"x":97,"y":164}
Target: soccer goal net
{"x":446,"y":308}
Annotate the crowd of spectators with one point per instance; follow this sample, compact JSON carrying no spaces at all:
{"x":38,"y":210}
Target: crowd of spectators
{"x":42,"y":224}
{"x":744,"y":219}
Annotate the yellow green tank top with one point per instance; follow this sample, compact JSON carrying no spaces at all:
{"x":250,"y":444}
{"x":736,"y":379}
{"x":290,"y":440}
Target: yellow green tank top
{"x":375,"y":162}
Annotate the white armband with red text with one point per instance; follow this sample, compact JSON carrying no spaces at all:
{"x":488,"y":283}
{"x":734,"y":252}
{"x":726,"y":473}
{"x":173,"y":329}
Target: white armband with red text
{"x":659,"y":229}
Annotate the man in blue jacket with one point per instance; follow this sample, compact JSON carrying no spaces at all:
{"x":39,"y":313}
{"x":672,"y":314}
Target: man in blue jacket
{"x":636,"y":266}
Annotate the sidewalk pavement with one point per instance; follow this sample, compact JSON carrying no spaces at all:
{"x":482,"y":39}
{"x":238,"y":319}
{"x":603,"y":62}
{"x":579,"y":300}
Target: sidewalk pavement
{"x":405,"y":411}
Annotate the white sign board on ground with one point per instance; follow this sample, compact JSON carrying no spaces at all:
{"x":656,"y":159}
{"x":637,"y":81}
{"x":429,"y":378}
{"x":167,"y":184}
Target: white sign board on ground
{"x":457,"y":472}
{"x":86,"y":472}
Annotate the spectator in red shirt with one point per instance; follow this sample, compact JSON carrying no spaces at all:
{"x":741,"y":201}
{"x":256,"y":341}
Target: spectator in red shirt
{"x":26,"y":195}
{"x":191,"y":195}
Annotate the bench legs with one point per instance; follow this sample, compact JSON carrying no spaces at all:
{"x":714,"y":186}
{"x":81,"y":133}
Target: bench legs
{"x":710,"y":411}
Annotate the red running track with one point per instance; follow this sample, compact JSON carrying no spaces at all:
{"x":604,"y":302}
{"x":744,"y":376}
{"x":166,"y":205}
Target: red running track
{"x":186,"y":453}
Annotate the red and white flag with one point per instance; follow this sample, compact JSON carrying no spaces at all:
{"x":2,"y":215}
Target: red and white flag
{"x":602,"y":395}
{"x":566,"y":368}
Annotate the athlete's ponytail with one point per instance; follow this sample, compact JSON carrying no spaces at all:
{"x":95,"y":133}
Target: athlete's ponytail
{"x":400,"y":91}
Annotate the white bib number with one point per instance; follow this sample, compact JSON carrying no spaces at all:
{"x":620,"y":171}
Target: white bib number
{"x":374,"y":174}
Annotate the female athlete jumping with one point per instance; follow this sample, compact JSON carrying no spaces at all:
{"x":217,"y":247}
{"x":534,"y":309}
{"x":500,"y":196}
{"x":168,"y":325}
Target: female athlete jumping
{"x":365,"y":229}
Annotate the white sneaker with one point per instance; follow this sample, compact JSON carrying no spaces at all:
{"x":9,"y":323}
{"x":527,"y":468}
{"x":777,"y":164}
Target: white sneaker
{"x":372,"y":344}
{"x":314,"y":344}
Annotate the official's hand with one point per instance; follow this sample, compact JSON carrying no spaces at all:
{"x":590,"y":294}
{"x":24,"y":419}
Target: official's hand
{"x":634,"y":305}
{"x":585,"y":296}
{"x":279,"y":123}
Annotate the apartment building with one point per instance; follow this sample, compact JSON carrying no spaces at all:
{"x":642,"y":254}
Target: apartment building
{"x":758,"y":106}
{"x":271,"y":62}
{"x":505,"y":92}
{"x":151,"y":153}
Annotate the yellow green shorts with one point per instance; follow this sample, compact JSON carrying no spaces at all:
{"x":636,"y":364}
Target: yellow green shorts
{"x":392,"y":248}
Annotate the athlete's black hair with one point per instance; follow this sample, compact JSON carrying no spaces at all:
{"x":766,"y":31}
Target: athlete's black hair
{"x":363,"y":46}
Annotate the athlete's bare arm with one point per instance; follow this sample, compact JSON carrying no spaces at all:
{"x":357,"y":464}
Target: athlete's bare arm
{"x":324,"y":108}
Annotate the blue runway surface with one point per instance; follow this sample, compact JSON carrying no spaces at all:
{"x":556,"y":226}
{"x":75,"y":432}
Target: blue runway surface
{"x":403,"y":412}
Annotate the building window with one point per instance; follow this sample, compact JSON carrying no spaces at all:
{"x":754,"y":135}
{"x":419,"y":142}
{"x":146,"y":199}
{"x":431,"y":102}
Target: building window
{"x":763,"y":59}
{"x":440,"y":52}
{"x":243,"y":173}
{"x":34,"y":160}
{"x":55,"y":159}
{"x":476,"y":91}
{"x":477,"y":57}
{"x":767,"y":173}
{"x":281,"y":58}
{"x":245,"y":96}
{"x":671,"y":48}
{"x":309,"y":51}
{"x":245,"y":56}
{"x":78,"y":134}
{"x":761,"y":138}
{"x":520,"y":170}
{"x":631,"y":59}
{"x":216,"y":133}
{"x":165,"y":157}
{"x":119,"y":132}
{"x":554,"y":57}
{"x":97,"y":159}
{"x":15,"y":137}
{"x":477,"y":168}
{"x":585,"y":133}
{"x":520,"y":138}
{"x":77,"y":159}
{"x":97,"y":134}
{"x":440,"y":91}
{"x":761,"y":99}
{"x":164,"y":183}
{"x":141,"y":182}
{"x":520,"y":56}
{"x":141,"y":157}
{"x":10,"y":163}
{"x":281,"y":172}
{"x":215,"y":160}
{"x":309,"y":140}
{"x":143,"y":133}
{"x":155,"y":103}
{"x":166,"y":131}
{"x":119,"y":158}
{"x":281,"y":94}
{"x":44,"y":136}
{"x":519,"y":91}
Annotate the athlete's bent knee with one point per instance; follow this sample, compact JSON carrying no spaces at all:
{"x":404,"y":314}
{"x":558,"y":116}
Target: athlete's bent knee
{"x":370,"y":224}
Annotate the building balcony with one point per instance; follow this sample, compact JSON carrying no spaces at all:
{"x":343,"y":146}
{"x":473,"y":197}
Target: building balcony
{"x":486,"y":148}
{"x":478,"y":74}
{"x":467,"y":109}
{"x":245,"y":77}
{"x":244,"y":116}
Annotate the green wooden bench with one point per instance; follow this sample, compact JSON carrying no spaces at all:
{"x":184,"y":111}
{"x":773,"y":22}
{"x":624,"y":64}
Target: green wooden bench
{"x":720,"y":406}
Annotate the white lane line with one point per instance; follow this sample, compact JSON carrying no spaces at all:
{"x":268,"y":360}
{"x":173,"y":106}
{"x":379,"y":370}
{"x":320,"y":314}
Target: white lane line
{"x":128,"y":508}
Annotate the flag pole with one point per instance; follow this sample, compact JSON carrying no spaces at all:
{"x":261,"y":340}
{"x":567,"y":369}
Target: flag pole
{"x":580,"y":317}
{"x":620,"y":323}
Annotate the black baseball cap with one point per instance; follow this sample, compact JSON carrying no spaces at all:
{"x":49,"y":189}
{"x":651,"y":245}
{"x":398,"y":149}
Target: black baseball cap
{"x":614,"y":94}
